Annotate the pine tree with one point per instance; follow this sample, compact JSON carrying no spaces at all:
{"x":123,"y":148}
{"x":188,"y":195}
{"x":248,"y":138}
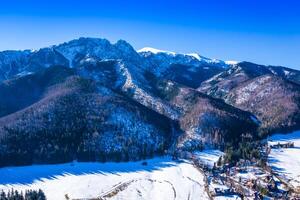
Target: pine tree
{"x":16,"y":195}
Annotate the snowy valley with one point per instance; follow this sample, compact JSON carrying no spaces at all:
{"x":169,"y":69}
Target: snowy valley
{"x":91,"y":119}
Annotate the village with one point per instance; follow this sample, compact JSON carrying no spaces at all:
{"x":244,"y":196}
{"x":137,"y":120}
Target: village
{"x":247,"y":179}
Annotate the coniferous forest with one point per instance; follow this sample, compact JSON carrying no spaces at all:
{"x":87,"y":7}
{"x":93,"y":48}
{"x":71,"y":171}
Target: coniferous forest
{"x":28,"y":195}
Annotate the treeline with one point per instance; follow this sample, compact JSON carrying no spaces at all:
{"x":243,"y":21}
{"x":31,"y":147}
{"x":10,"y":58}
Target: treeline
{"x":247,"y":150}
{"x":28,"y":195}
{"x":47,"y":148}
{"x":78,"y":123}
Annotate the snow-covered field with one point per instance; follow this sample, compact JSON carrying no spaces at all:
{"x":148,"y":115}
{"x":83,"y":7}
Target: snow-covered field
{"x":209,"y":156}
{"x":286,"y":161}
{"x":161,"y":178}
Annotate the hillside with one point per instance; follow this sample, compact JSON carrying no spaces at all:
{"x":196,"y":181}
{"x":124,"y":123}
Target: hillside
{"x":270,"y":93}
{"x":75,"y":119}
{"x":89,"y":99}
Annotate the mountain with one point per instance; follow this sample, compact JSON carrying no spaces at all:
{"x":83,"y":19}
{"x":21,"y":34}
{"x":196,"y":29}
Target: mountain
{"x":18,"y":63}
{"x":271,"y":93}
{"x":206,"y":121}
{"x":238,"y":73}
{"x":187,"y":69}
{"x":73,"y":118}
{"x":273,"y":100}
{"x":89,"y":99}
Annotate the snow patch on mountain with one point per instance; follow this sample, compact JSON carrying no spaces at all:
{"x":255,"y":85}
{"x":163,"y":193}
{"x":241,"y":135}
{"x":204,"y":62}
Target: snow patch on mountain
{"x":171,"y":53}
{"x":155,"y":51}
{"x":203,"y":59}
{"x":141,"y":95}
{"x":155,"y":103}
{"x":197,"y":56}
{"x":231,"y":62}
{"x":287,"y":73}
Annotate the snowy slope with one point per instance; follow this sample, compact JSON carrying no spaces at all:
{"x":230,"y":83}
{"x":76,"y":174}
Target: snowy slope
{"x":155,"y":51}
{"x":161,"y":178}
{"x":286,"y":161}
{"x":231,"y":62}
{"x":171,"y":53}
{"x":160,"y":60}
{"x":209,"y":156}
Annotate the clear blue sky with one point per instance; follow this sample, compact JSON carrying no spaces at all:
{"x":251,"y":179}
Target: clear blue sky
{"x":261,"y":31}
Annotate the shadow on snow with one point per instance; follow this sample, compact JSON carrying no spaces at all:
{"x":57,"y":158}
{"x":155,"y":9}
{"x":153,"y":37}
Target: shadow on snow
{"x":29,"y":174}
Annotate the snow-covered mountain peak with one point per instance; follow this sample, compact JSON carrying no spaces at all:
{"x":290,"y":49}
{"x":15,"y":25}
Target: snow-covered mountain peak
{"x":195,"y":55}
{"x":100,"y":48}
{"x":202,"y":58}
{"x":182,"y":56}
{"x":231,"y":62}
{"x":155,"y":51}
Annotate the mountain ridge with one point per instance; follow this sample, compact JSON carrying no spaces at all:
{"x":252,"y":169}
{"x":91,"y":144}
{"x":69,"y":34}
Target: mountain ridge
{"x":131,"y":105}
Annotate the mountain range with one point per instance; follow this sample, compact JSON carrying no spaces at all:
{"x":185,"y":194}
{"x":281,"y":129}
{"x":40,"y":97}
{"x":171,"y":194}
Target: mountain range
{"x":91,"y":100}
